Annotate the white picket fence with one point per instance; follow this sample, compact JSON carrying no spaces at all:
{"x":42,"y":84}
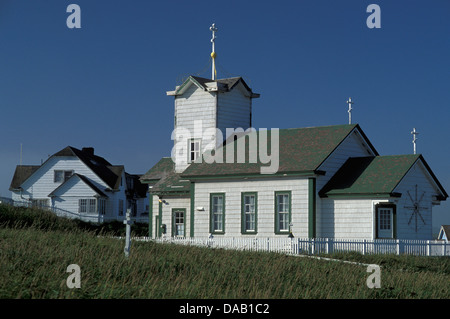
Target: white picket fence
{"x":297,"y":246}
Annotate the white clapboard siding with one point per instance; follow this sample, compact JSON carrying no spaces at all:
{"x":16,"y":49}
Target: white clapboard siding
{"x":265,"y":190}
{"x":195,"y":113}
{"x":234,"y":110}
{"x":417,"y":175}
{"x":349,"y":218}
{"x":194,"y":105}
{"x":41,"y":183}
{"x":352,"y":146}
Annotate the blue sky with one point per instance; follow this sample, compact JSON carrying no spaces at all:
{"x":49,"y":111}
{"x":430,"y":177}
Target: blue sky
{"x":104,"y":85}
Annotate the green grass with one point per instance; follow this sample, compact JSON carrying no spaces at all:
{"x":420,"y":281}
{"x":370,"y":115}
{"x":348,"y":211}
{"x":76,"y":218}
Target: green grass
{"x":34,"y":255}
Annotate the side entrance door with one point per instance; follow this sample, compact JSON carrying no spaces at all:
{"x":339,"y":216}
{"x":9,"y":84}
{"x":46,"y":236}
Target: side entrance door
{"x":385,"y":222}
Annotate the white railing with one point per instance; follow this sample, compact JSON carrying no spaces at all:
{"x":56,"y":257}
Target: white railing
{"x":297,"y":246}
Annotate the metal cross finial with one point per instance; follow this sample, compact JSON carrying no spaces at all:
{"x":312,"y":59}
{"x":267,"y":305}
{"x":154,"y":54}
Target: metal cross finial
{"x":350,"y":102}
{"x":213,"y":53}
{"x":214,"y":30}
{"x":414,"y":133}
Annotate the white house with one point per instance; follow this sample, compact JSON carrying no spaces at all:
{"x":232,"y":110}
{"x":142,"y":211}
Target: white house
{"x":79,"y":184}
{"x":325,"y":181}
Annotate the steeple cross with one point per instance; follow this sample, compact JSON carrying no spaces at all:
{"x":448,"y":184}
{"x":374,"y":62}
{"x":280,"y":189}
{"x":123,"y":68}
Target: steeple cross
{"x":350,"y":102}
{"x":414,"y":133}
{"x":213,"y":53}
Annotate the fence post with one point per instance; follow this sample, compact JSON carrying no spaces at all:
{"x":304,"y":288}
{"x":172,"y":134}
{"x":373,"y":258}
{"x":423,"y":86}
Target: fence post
{"x":312,"y":246}
{"x":428,"y":248}
{"x":398,"y":246}
{"x":327,"y":245}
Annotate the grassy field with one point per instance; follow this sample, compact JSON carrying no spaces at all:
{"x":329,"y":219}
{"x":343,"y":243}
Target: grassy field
{"x":36,"y":248}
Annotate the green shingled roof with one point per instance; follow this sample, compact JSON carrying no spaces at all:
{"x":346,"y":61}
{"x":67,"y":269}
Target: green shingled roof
{"x":164,"y":180}
{"x":159,"y":170}
{"x":301,"y":150}
{"x":377,"y":175}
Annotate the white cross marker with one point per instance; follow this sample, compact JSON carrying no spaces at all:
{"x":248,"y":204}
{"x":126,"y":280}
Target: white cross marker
{"x":128,"y":222}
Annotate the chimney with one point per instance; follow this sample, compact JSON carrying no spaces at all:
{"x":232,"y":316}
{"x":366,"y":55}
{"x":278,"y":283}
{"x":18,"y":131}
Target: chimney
{"x":88,"y":151}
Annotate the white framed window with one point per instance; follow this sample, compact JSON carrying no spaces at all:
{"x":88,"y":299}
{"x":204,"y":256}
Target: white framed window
{"x":60,"y":176}
{"x":87,"y":206}
{"x":282,"y":211}
{"x":178,"y":222}
{"x":249,"y":213}
{"x":194,"y":150}
{"x":217,"y":209}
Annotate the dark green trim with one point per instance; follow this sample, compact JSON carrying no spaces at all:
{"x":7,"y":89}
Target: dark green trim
{"x":150,"y":216}
{"x":157,"y":226}
{"x":277,"y":224}
{"x":254,"y":175}
{"x":211,"y":219}
{"x":160,"y":218}
{"x":243,"y":231}
{"x":394,"y":218}
{"x":192,"y":193}
{"x":173,"y":219}
{"x":170,"y":193}
{"x":311,"y":207}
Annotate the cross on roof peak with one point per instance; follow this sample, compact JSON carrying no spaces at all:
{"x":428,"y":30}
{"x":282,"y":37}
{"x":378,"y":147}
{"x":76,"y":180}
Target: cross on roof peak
{"x":350,"y":102}
{"x":213,"y":53}
{"x":414,"y":134}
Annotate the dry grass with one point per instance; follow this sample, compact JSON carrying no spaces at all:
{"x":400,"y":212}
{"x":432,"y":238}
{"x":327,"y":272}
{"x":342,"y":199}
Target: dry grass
{"x":33,"y":262}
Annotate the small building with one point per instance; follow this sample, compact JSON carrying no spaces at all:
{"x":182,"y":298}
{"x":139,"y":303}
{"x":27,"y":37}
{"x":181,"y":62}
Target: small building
{"x":329,"y":181}
{"x":80,"y":184}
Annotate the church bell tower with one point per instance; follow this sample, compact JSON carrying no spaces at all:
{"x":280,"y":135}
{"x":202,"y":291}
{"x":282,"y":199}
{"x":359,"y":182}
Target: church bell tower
{"x":205,"y":109}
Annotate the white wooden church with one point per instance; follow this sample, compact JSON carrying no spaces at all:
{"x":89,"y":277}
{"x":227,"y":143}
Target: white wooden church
{"x":327,"y":182}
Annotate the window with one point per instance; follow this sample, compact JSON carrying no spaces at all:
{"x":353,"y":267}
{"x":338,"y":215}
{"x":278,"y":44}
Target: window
{"x":282,"y":211}
{"x":217,"y":213}
{"x":61,"y":176}
{"x":194,"y":149}
{"x":249,"y":213}
{"x":40,"y":203}
{"x":87,"y":206}
{"x":385,"y":219}
{"x":178,"y":222}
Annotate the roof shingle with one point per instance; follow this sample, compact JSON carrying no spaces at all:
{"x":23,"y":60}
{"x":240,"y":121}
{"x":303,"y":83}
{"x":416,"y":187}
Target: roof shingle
{"x":369,"y":175}
{"x":300,"y":150}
